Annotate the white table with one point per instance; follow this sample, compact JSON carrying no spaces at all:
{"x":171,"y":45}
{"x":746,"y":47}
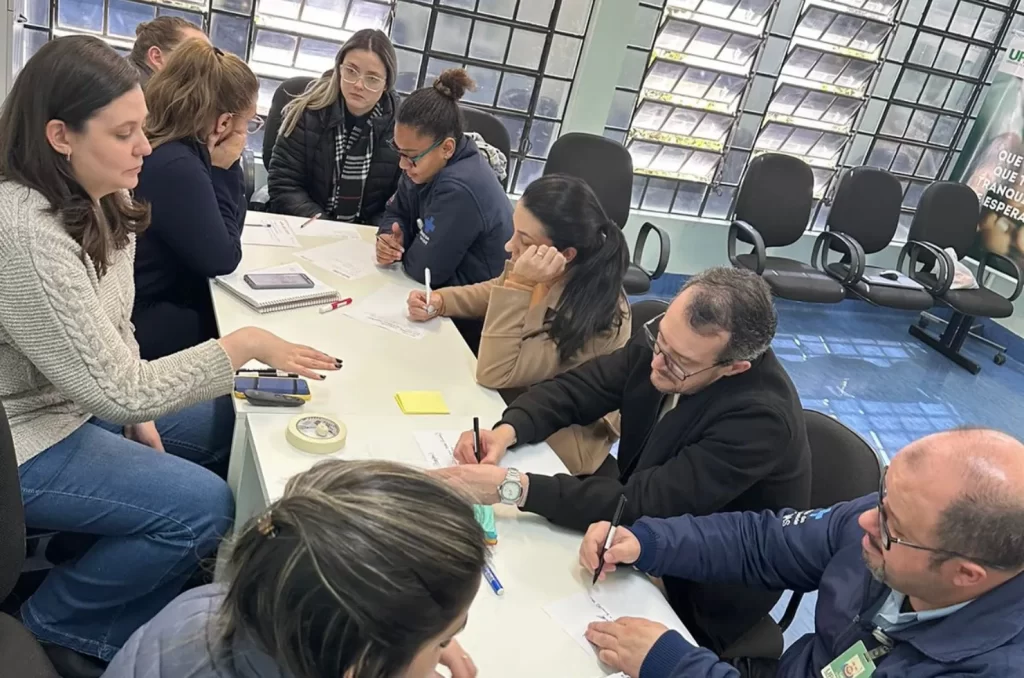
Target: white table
{"x":537,"y":563}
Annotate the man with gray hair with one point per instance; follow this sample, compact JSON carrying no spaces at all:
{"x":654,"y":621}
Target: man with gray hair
{"x":710,"y":422}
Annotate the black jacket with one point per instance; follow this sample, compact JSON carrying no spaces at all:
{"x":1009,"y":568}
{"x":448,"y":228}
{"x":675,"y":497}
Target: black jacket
{"x":301,"y":174}
{"x":737,"y":445}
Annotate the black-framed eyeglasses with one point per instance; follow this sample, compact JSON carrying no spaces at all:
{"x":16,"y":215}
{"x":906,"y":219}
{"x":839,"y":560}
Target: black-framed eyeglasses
{"x":413,"y":159}
{"x":673,"y":367}
{"x":888,"y":540}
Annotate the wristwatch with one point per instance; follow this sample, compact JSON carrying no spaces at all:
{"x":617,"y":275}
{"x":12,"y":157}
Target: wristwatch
{"x":510,"y":491}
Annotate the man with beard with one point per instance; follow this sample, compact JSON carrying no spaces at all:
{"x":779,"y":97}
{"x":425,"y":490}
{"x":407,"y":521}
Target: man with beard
{"x":921,"y":580}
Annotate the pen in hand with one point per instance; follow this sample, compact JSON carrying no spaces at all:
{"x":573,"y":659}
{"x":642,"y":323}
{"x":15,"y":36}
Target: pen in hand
{"x":616,"y":518}
{"x":476,"y":439}
{"x":426,"y":280}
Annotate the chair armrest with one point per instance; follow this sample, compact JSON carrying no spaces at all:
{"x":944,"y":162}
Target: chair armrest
{"x":913,"y":249}
{"x":664,"y":249}
{"x":992,"y":256}
{"x":737,"y":227}
{"x":841,"y":242}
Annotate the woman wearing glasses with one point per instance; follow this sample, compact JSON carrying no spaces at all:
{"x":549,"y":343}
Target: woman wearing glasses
{"x":332,"y":156}
{"x":202,"y":106}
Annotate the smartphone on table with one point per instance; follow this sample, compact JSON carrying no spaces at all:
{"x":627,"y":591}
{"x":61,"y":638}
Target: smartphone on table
{"x":278,"y":281}
{"x":279,"y":385}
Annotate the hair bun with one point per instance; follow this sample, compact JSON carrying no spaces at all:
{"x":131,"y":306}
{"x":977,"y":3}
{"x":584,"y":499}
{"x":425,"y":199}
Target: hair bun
{"x":453,"y":83}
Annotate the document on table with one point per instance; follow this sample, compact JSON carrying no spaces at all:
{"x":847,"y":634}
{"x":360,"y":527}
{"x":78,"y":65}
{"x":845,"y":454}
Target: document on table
{"x":387,"y":308}
{"x":331,"y":229}
{"x":349,"y":259}
{"x":272,"y":232}
{"x":623,"y":594}
{"x":438,"y":448}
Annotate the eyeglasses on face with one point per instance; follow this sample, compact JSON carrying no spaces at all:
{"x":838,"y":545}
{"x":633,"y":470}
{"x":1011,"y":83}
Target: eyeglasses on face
{"x":888,"y":539}
{"x":253,"y":124}
{"x":413,"y":159}
{"x":652,"y":342}
{"x":351,"y":75}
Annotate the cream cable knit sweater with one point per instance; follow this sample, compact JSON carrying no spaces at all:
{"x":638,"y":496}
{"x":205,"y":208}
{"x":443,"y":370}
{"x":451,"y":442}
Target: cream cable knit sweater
{"x":67,"y":350}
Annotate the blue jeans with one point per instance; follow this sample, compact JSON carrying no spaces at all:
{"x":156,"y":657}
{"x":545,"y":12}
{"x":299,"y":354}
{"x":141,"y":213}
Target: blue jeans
{"x":156,"y":515}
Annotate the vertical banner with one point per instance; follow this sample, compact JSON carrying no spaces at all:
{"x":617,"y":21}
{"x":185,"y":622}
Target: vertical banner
{"x":992,"y":161}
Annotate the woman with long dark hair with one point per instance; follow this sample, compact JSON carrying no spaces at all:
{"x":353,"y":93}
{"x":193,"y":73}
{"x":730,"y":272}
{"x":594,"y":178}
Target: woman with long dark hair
{"x":558,"y":303}
{"x":333,"y":156}
{"x":340,"y":578}
{"x":107,"y":444}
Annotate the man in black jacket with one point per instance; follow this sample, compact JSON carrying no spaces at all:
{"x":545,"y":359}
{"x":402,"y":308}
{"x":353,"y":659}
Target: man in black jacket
{"x":710,"y":422}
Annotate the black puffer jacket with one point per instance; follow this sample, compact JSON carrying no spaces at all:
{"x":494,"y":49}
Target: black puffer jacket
{"x":302,"y":168}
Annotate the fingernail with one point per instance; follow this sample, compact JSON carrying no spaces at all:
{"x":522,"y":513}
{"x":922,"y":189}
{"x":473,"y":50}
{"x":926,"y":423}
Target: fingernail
{"x":338,"y":362}
{"x":322,"y":377}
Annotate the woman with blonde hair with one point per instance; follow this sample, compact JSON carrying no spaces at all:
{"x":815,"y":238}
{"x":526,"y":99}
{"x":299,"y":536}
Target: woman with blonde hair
{"x":202,"y":107}
{"x":333,"y":156}
{"x":340,"y":578}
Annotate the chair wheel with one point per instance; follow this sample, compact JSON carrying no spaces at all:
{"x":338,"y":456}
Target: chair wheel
{"x":999,"y":358}
{"x":922,"y":322}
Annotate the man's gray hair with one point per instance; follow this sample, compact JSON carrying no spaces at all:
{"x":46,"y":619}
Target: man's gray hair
{"x":735,"y":301}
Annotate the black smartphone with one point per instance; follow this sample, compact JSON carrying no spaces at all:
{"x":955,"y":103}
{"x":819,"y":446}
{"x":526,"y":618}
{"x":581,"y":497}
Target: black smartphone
{"x":278,"y":281}
{"x":279,"y":385}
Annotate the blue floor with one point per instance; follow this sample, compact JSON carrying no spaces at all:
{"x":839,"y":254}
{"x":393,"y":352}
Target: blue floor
{"x":858,"y":363}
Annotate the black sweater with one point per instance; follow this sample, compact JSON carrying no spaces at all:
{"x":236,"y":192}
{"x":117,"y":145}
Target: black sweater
{"x":196,"y":234}
{"x":737,"y":445}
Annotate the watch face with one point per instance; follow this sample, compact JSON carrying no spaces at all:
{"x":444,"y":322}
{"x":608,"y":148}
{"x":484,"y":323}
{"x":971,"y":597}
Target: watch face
{"x":510,"y":491}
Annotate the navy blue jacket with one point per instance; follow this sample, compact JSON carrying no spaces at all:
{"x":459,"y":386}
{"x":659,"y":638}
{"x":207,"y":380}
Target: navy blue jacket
{"x":195,"y":234}
{"x":467,"y":219}
{"x":821,"y":550}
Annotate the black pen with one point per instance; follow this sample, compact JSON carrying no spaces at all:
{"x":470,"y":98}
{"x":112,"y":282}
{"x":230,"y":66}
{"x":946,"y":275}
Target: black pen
{"x":266,"y":373}
{"x":476,"y":438}
{"x":608,"y":540}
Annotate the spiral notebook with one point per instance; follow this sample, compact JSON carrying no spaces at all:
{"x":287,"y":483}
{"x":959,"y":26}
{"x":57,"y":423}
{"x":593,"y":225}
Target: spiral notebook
{"x":268,"y":301}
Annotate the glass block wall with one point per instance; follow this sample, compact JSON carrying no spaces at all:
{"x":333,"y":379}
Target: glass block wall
{"x":838,"y":83}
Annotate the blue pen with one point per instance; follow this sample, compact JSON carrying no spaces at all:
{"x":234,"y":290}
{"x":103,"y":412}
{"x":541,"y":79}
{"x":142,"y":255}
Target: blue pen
{"x":492,"y":579}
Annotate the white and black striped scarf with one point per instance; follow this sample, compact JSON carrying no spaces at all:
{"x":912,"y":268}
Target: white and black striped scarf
{"x":353,"y":152}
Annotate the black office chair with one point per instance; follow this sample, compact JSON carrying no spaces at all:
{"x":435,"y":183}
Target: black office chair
{"x":491,"y":129}
{"x":645,"y":310}
{"x":843,"y":467}
{"x":286,"y":91}
{"x":863,"y":220}
{"x":773,"y":209}
{"x":947,"y":216}
{"x":20,"y":653}
{"x":248,"y":163}
{"x":607,"y":168}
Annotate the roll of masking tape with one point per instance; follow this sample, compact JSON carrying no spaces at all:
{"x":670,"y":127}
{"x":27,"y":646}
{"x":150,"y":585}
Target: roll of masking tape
{"x":316,"y":433}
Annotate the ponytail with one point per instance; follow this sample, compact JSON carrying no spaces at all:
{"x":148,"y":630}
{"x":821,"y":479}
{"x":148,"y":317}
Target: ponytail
{"x":199,"y":83}
{"x":573,"y":217}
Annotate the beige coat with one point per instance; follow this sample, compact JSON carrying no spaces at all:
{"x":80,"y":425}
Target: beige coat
{"x":516,"y":352}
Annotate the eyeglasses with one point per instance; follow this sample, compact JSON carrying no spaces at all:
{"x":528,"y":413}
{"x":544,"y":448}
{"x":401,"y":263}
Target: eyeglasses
{"x":413,"y":159}
{"x":678,"y":372}
{"x":351,"y":75}
{"x":888,"y":540}
{"x":254,"y":124}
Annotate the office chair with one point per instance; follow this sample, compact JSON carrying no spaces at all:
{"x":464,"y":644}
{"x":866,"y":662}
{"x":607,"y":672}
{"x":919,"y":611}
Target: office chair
{"x":286,"y":91}
{"x":843,"y":467}
{"x":607,"y":168}
{"x":773,"y":208}
{"x":248,"y":163}
{"x":863,"y":220}
{"x":20,"y":653}
{"x":491,"y":129}
{"x":643,"y":311}
{"x":947,"y":216}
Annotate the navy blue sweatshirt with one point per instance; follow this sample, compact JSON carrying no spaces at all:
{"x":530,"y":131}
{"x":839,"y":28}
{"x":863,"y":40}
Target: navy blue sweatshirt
{"x":467,"y":219}
{"x":196,"y":233}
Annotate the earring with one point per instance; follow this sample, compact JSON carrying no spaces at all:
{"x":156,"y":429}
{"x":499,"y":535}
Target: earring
{"x":68,"y":156}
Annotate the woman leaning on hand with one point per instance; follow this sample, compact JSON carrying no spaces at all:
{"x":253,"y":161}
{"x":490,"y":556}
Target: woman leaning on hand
{"x":558,"y":303}
{"x":107,"y":443}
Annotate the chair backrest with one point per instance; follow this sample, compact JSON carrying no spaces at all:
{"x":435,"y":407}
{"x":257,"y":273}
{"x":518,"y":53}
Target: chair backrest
{"x":12,"y":512}
{"x":775,"y":197}
{"x":605,"y":165}
{"x":843,"y":466}
{"x":866,"y":207}
{"x":489,"y":127}
{"x":947,"y":216}
{"x":645,"y":309}
{"x":286,"y":91}
{"x":248,"y":165}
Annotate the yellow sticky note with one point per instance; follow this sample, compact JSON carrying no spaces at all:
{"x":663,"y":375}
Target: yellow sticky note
{"x":421,"y":402}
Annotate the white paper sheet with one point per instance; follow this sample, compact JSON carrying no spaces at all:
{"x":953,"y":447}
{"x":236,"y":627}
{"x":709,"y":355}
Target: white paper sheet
{"x":624,"y":594}
{"x":438,"y":448}
{"x":271,"y":232}
{"x":387,"y":308}
{"x":350,"y":259}
{"x":331,"y":229}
